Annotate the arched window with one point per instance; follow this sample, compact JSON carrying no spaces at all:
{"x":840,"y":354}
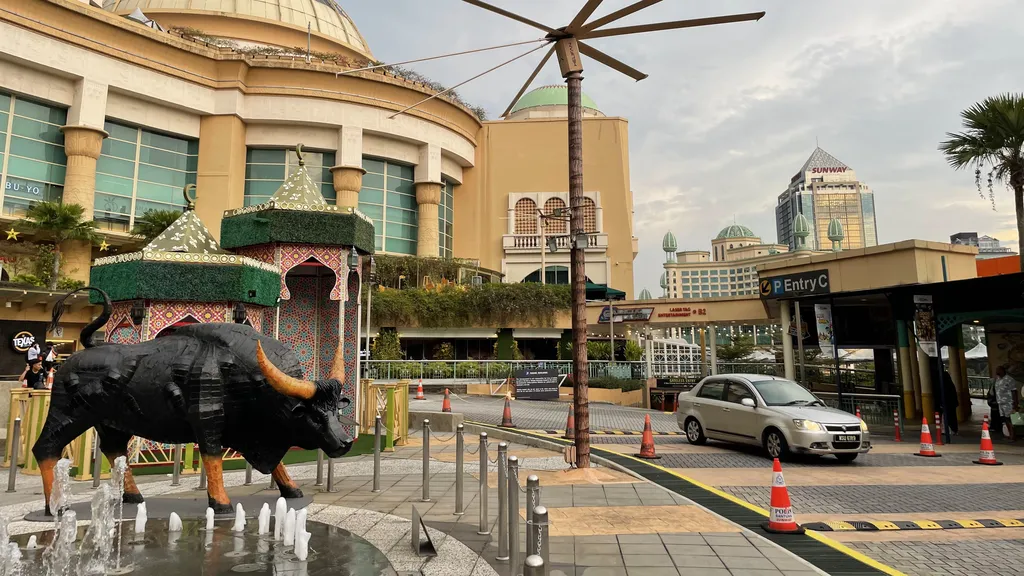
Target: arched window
{"x":526,"y":216}
{"x":552,"y":226}
{"x":589,"y":215}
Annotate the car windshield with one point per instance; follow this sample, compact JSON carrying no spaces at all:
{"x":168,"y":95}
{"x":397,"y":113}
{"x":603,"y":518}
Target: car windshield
{"x":784,"y":393}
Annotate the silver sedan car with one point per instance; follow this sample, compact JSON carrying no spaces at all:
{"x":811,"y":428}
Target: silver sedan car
{"x":779,"y":415}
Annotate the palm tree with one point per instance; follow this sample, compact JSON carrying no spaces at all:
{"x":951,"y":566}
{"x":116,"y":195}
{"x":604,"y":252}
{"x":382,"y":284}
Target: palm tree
{"x":153,"y":223}
{"x":992,"y":140}
{"x":59,"y":223}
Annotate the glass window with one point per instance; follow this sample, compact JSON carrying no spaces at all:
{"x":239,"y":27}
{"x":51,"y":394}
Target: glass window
{"x":736,"y":392}
{"x":267,"y":168}
{"x":711,"y":390}
{"x":388,"y":197}
{"x":139,"y":170}
{"x":32,"y":160}
{"x":703,"y":272}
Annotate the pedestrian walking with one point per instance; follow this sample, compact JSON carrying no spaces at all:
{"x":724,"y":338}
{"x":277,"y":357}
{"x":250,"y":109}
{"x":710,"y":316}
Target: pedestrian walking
{"x":1006,"y":396}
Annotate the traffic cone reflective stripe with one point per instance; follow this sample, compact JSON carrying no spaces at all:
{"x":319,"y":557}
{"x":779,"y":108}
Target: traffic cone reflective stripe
{"x":506,"y":416}
{"x":570,"y":425}
{"x":780,"y":515}
{"x":988,"y":452}
{"x":419,"y":391}
{"x":446,"y":404}
{"x":927,"y":449}
{"x":49,"y":378}
{"x":647,"y":443}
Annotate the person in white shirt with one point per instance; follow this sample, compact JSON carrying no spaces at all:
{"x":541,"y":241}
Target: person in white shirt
{"x":1006,"y":394}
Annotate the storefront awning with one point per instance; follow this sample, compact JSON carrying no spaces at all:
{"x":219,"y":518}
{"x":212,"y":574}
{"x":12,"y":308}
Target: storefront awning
{"x":603,"y":292}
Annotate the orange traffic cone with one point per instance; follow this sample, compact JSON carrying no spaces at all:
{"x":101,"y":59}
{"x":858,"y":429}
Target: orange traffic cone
{"x":570,"y":425}
{"x":927,"y":449}
{"x":446,"y":404}
{"x":419,"y":391}
{"x":647,"y":443}
{"x":49,"y":379}
{"x":780,"y":516}
{"x":858,"y":413}
{"x":988,"y":452}
{"x":506,"y":416}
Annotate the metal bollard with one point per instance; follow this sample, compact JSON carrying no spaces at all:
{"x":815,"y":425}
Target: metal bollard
{"x":426,"y":461}
{"x":541,"y":532}
{"x":273,"y":483}
{"x":460,"y":446}
{"x":97,"y":462}
{"x":502,"y":501}
{"x":202,"y":478}
{"x":484,"y":528}
{"x":532,"y":501}
{"x":176,"y":465}
{"x":533,"y":566}
{"x":248,"y":474}
{"x":319,"y":468}
{"x":513,"y":514}
{"x":12,"y":479}
{"x":376,"y":454}
{"x":330,"y":474}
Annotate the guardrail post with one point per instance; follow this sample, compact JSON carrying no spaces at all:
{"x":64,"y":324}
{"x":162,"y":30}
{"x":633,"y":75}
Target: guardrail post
{"x":330,"y":474}
{"x":541,"y":532}
{"x":376,"y":454}
{"x":97,"y":463}
{"x":176,"y":465}
{"x":484,"y":529}
{"x":503,"y":536}
{"x":513,"y":514}
{"x":533,"y":566}
{"x":248,"y":473}
{"x":426,"y":461}
{"x":460,"y":475}
{"x":12,"y":479}
{"x":202,"y":477}
{"x":319,"y":468}
{"x":532,"y":501}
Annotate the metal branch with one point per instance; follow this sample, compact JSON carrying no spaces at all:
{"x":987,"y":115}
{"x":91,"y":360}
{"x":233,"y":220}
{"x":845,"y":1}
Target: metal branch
{"x":368,"y":68}
{"x":581,"y":17}
{"x":511,"y":15}
{"x":694,"y":23}
{"x":529,"y":81}
{"x":632,"y":8}
{"x":610,"y":62}
{"x":488,"y":71}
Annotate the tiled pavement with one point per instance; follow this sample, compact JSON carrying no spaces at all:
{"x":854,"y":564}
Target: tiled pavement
{"x":970,"y":558}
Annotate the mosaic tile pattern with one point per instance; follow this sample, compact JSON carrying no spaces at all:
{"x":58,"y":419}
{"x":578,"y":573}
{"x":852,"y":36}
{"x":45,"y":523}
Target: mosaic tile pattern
{"x":331,"y":256}
{"x":119,"y":326}
{"x":164,"y":314}
{"x":349,"y":387}
{"x":298,"y":322}
{"x":254,"y":317}
{"x":327,"y":329}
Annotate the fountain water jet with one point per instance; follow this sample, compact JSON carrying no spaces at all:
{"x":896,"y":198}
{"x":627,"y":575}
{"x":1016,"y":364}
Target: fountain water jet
{"x":94,"y":552}
{"x":174,"y":522}
{"x":117,"y":474}
{"x":209,"y":519}
{"x":32,"y":545}
{"x":280,"y":509}
{"x":140,"y":519}
{"x":239,"y":525}
{"x":289,"y":527}
{"x":58,"y":555}
{"x":264,"y":520}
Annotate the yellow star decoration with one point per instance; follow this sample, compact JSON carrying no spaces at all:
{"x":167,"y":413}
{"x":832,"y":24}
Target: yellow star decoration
{"x":104,"y":246}
{"x":12,"y":234}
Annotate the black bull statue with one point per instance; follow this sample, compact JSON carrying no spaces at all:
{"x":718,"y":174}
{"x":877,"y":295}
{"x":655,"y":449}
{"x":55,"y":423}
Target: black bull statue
{"x":218,"y":385}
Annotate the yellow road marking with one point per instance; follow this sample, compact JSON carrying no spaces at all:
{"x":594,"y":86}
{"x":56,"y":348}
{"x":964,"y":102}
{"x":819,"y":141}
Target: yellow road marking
{"x":883,"y":525}
{"x":854,"y":554}
{"x":970,"y":523}
{"x":927,"y":525}
{"x":1010,"y":522}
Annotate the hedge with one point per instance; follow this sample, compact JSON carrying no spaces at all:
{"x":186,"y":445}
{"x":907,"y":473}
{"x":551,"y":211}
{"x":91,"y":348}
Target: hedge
{"x":141,"y":279}
{"x":497,"y":305}
{"x":297,"y":227}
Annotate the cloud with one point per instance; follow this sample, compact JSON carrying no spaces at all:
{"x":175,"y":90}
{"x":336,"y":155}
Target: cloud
{"x":731,"y":112}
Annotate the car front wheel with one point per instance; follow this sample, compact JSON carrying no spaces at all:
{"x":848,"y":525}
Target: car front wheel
{"x":775,"y":444}
{"x":694,"y":432}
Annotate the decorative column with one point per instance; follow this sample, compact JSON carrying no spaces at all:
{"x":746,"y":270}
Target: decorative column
{"x":906,"y":369}
{"x":924,"y":364}
{"x":787,"y":342}
{"x":428,"y":198}
{"x":348,"y":174}
{"x":915,"y":372}
{"x":82,"y":146}
{"x":713,"y":335}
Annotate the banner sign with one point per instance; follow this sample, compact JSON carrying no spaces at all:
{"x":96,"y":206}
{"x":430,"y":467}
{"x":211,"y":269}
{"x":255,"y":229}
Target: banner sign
{"x":625,"y":315}
{"x":826,"y":340}
{"x":537,"y":384}
{"x":800,"y":284}
{"x":924,"y":323}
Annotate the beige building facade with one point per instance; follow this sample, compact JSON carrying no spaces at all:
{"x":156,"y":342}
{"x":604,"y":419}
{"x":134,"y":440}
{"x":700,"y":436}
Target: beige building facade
{"x":117,"y":113}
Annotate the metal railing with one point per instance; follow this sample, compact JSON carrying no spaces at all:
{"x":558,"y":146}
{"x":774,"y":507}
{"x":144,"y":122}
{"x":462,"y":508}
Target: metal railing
{"x":875,"y":409}
{"x":491,"y":371}
{"x":978,"y":386}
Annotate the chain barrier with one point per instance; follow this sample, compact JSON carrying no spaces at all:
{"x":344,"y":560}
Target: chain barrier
{"x":439,"y":439}
{"x":495,"y":461}
{"x":516,"y":474}
{"x":466,"y":448}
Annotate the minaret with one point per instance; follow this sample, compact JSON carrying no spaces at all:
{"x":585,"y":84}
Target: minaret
{"x":664,"y":284}
{"x":668,"y":244}
{"x":835,"y":234}
{"x":645,"y":294}
{"x":801,"y":230}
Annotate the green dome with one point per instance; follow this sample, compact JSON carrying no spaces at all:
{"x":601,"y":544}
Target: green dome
{"x":668,"y":243}
{"x":735,"y":231}
{"x":801,"y":226}
{"x":664,"y":280}
{"x":835,"y":230}
{"x":645,"y":294}
{"x":555,"y":95}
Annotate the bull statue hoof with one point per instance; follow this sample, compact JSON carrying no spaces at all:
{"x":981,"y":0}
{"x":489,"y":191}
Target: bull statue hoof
{"x":132,"y":498}
{"x":219,"y":508}
{"x":288,"y":492}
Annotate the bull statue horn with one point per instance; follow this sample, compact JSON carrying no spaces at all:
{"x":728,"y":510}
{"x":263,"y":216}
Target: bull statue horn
{"x":283,"y":383}
{"x":338,"y":365}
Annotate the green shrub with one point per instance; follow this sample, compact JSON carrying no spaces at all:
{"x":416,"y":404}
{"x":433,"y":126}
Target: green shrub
{"x":616,"y":383}
{"x":386,"y":346}
{"x":444,"y":351}
{"x":599,"y":350}
{"x":69,"y":284}
{"x":632,"y":351}
{"x":30,"y":279}
{"x":461,"y":306}
{"x":468,"y":370}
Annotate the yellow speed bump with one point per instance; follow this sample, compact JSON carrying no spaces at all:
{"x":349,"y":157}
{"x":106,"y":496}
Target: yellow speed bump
{"x":927,"y":525}
{"x":840,"y":526}
{"x":884,"y":525}
{"x":1010,"y":522}
{"x":970,"y":523}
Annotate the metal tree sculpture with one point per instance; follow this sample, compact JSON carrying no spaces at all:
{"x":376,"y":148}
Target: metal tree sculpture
{"x":568,"y":45}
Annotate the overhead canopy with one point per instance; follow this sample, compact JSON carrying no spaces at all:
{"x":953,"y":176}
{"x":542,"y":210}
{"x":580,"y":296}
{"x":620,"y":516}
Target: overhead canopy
{"x":603,"y":292}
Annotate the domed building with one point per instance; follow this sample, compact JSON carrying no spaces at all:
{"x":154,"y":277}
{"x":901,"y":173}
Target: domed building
{"x":669,"y":246}
{"x":117,"y":105}
{"x":731,"y":237}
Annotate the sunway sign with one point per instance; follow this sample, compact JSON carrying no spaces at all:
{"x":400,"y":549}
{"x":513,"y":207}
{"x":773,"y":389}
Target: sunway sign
{"x":829,"y":170}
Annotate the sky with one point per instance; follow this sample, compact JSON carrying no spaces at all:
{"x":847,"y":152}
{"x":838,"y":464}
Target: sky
{"x":731,"y":112}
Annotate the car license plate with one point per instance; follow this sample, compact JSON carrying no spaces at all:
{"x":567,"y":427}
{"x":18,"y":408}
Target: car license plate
{"x":847,"y":439}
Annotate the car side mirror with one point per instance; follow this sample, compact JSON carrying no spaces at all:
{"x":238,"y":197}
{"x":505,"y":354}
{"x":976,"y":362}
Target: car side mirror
{"x":748,"y":402}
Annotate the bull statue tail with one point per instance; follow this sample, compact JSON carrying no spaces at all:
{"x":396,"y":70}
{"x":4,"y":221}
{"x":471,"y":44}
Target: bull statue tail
{"x":92,"y":327}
